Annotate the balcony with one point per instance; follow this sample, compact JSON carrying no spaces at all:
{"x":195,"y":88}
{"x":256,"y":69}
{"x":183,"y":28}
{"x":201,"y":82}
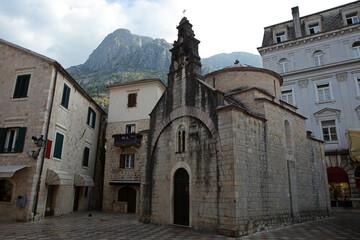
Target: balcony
{"x":127,"y":140}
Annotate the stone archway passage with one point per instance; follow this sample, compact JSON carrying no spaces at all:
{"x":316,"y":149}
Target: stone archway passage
{"x":128,"y":194}
{"x":339,"y":187}
{"x":181,"y":197}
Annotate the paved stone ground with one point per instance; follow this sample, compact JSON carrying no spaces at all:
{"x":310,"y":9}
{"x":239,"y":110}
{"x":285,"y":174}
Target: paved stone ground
{"x":345,"y":224}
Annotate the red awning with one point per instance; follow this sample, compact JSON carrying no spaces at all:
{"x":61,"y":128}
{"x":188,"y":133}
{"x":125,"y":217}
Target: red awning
{"x":336,"y":174}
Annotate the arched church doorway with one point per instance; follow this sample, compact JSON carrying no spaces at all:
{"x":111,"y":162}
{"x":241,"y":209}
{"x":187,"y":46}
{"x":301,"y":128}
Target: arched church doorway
{"x":128,"y":195}
{"x":181,"y":197}
{"x":339,"y":187}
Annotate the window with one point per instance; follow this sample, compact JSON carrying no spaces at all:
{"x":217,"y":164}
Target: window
{"x":58,"y":145}
{"x":130,"y":128}
{"x":132,"y":99}
{"x":329,"y":131}
{"x":91,"y":118}
{"x":12,"y":139}
{"x":352,"y":18}
{"x":280,"y":37}
{"x":357,"y":84}
{"x":318,"y":58}
{"x":181,"y":134}
{"x":314,"y":28}
{"x":283,"y":65}
{"x":22,"y":85}
{"x":127,"y":160}
{"x":6,"y":188}
{"x":287,"y":96}
{"x":86,"y":157}
{"x":323,"y":92}
{"x":65,"y":96}
{"x":356,"y":49}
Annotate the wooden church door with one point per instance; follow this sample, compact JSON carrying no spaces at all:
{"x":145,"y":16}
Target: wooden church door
{"x":181,"y":197}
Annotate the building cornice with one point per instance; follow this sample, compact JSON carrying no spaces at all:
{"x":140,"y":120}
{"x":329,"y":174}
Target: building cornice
{"x":310,"y":38}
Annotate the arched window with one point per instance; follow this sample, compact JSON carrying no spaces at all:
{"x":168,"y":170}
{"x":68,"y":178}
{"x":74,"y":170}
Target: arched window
{"x":356,"y":49}
{"x":181,"y":136}
{"x":283,"y":66}
{"x":6,"y":189}
{"x":288,"y":141}
{"x":319,"y":58}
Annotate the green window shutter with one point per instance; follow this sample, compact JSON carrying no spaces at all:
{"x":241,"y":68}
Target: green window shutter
{"x":19,"y":146}
{"x":94,"y":119}
{"x":58,"y":145}
{"x":88,"y":117}
{"x":22,"y":85}
{"x":2,"y":139}
{"x":65,"y":96}
{"x":122,"y":160}
{"x":86,"y":157}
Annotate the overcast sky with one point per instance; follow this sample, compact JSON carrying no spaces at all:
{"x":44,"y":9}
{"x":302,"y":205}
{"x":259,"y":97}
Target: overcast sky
{"x":69,"y":30}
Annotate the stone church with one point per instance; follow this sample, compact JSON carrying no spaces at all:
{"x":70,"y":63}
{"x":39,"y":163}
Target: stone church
{"x":225,"y":154}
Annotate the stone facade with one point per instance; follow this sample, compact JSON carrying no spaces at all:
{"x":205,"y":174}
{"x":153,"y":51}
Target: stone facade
{"x":56,"y":170}
{"x":225,"y":155}
{"x":319,"y":53}
{"x":118,"y":178}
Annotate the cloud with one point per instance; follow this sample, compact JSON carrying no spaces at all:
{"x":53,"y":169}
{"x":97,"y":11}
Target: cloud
{"x":69,"y":30}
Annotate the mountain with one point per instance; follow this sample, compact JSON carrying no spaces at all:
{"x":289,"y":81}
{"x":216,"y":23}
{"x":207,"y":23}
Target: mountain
{"x":123,"y":56}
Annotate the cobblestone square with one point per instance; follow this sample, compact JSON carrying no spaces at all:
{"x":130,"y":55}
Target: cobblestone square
{"x":79,"y":225}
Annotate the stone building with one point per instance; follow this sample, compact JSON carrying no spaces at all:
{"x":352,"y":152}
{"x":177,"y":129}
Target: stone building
{"x":318,"y":57}
{"x":49,"y":137}
{"x":225,"y":154}
{"x":128,"y":122}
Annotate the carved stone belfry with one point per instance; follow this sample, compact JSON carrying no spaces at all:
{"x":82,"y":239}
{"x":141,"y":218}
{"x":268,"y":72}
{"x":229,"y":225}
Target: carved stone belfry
{"x":185,"y":51}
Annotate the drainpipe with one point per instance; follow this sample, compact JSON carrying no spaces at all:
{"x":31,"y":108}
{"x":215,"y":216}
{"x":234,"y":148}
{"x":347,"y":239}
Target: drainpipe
{"x":44,"y":150}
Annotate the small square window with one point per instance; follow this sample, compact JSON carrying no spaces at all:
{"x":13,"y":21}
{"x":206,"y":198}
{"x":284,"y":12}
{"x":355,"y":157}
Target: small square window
{"x":65,"y":96}
{"x":314,"y":28}
{"x":12,"y":139}
{"x":329,"y":131}
{"x":130,"y":128}
{"x":287,"y":96}
{"x":280,"y":37}
{"x":127,"y":160}
{"x":132,"y":100}
{"x":323,"y":92}
{"x":352,"y":18}
{"x":22,"y":85}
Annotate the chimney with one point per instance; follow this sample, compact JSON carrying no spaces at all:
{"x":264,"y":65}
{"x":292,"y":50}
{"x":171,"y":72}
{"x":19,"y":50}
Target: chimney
{"x":296,"y":20}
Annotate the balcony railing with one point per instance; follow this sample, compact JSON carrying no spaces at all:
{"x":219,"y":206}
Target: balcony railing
{"x":127,"y":140}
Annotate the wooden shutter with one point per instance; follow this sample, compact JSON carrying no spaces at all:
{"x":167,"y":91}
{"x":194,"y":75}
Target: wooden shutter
{"x":88,"y":117}
{"x":132,"y":100}
{"x":65,"y":96}
{"x":21,"y":86}
{"x":48,"y":148}
{"x":2,"y":139}
{"x":19,"y":145}
{"x":86,"y":157}
{"x":58,"y":145}
{"x":94,"y":119}
{"x":122,"y":160}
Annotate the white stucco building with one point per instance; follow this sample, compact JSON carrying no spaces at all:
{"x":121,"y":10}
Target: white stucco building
{"x":126,"y":136}
{"x":318,"y":57}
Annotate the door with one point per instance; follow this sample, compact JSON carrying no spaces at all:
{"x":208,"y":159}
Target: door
{"x":76,"y":199}
{"x":181,"y":197}
{"x":128,"y":195}
{"x":49,"y":210}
